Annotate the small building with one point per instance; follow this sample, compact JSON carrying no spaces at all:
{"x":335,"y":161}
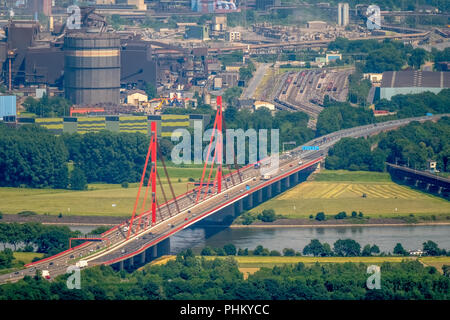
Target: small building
{"x":381,"y":113}
{"x":7,"y":106}
{"x":417,"y":252}
{"x":263,"y":104}
{"x":197,"y":32}
{"x":219,"y":23}
{"x":217,"y":83}
{"x":233,"y":36}
{"x":316,"y":25}
{"x":375,"y":78}
{"x":332,"y":57}
{"x":136,"y":97}
{"x":431,"y":166}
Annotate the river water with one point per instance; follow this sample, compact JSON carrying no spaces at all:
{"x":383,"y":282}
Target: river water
{"x":386,"y":237}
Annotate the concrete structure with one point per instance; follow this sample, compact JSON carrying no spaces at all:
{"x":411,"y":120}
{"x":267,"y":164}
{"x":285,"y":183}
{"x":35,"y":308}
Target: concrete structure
{"x":375,"y":78}
{"x":332,"y":57}
{"x":343,"y":14}
{"x":7,"y":106}
{"x":233,"y":36}
{"x":92,"y":68}
{"x":219,"y":23}
{"x":217,"y":83}
{"x":316,"y":25}
{"x":410,"y":82}
{"x":140,"y":5}
{"x":197,"y":32}
{"x":264,"y":104}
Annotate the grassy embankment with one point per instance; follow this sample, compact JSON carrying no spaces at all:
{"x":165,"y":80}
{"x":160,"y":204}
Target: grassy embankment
{"x":20,"y":259}
{"x":335,"y":191}
{"x":99,"y":199}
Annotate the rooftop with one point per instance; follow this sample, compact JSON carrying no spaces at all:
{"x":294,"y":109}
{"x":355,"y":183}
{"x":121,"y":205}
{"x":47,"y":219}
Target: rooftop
{"x":425,"y":79}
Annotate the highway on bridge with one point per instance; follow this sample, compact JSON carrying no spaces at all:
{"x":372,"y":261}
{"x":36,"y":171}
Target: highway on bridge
{"x":236,"y":186}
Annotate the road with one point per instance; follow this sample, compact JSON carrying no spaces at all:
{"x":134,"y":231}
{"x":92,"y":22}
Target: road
{"x":115,"y":247}
{"x":261,"y":70}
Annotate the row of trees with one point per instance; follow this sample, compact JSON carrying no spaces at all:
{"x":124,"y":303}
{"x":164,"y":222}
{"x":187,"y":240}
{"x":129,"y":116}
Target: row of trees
{"x":341,"y":248}
{"x":46,"y":239}
{"x":189,"y":277}
{"x":412,"y":145}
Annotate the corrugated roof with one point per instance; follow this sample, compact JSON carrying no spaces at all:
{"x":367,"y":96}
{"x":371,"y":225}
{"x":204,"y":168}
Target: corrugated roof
{"x":426,"y":79}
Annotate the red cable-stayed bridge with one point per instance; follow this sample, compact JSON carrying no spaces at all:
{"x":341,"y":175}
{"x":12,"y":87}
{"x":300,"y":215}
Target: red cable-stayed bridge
{"x":146,"y":234}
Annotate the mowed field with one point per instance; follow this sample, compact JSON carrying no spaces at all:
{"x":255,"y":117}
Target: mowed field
{"x":99,"y":199}
{"x":335,"y":191}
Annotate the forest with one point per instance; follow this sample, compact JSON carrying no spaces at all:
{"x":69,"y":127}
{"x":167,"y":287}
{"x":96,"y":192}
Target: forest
{"x":194,"y":278}
{"x":410,"y":145}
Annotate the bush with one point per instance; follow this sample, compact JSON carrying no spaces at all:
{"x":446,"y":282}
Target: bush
{"x":207,"y":251}
{"x":354,"y":214}
{"x":274,"y":253}
{"x":247,"y":218}
{"x":27,"y":213}
{"x":311,"y":216}
{"x":361,"y":214}
{"x":288,"y":252}
{"x":267,"y":216}
{"x":28,"y":248}
{"x":191,"y":179}
{"x":230,"y":249}
{"x":320,"y":216}
{"x":219,"y":251}
{"x":60,"y":215}
{"x":242,"y":252}
{"x":341,"y":215}
{"x":124,"y":184}
{"x":261,"y":251}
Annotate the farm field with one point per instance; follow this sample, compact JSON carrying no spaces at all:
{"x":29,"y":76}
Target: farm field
{"x":99,"y":199}
{"x":372,"y":193}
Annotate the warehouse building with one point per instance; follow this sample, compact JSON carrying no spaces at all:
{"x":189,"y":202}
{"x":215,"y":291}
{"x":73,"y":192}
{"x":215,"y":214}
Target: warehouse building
{"x":411,"y":82}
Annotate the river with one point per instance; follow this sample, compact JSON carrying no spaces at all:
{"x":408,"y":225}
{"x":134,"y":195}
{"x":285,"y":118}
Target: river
{"x":411,"y":237}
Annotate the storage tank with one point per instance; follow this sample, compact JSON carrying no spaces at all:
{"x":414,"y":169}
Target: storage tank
{"x":92,"y":68}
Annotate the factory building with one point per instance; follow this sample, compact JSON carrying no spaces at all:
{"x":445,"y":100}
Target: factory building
{"x":92,"y":68}
{"x":343,"y":14}
{"x":411,"y":82}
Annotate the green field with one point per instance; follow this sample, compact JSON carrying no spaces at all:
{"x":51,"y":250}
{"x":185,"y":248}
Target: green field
{"x":27,"y":257}
{"x":335,"y":191}
{"x":99,"y":199}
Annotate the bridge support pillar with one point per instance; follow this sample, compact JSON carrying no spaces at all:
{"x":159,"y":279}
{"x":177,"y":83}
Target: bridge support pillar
{"x":416,"y":183}
{"x":239,"y":207}
{"x":260,"y":196}
{"x":121,"y":265}
{"x":287,"y":182}
{"x":269,"y":191}
{"x":131,"y":261}
{"x":163,"y":247}
{"x":278,"y":186}
{"x":428,"y":187}
{"x":142,"y":255}
{"x":154,"y":251}
{"x":296,"y":178}
{"x":440,"y":190}
{"x":249,"y":201}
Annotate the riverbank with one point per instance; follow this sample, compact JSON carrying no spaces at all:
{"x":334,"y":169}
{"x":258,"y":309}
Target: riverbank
{"x":280,"y":223}
{"x":305,"y":223}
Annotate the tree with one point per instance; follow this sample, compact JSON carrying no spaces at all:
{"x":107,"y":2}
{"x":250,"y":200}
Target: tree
{"x":320,"y":216}
{"x":341,"y":215}
{"x":314,"y":247}
{"x":230,"y":249}
{"x":207,"y":251}
{"x":417,"y":58}
{"x":366,"y":251}
{"x":150,"y":90}
{"x":6,"y":258}
{"x":261,"y":251}
{"x":347,"y":248}
{"x":431,"y":248}
{"x":288,"y":252}
{"x":78,"y":179}
{"x":268,"y":215}
{"x":398,"y":249}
